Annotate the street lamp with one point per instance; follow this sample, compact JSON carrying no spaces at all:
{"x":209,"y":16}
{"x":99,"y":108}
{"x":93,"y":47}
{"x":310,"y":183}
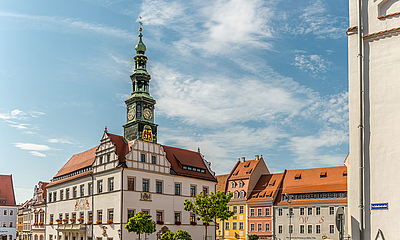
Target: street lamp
{"x":290,"y":214}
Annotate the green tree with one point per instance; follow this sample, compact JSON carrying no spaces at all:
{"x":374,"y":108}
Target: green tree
{"x":141,"y":223}
{"x":209,"y":207}
{"x":253,"y":237}
{"x":180,"y":234}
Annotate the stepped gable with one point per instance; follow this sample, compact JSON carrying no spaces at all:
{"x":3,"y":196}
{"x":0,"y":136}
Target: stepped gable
{"x":180,"y":157}
{"x":121,"y":147}
{"x":266,"y":188}
{"x":7,"y":196}
{"x":221,"y":185}
{"x":314,"y":180}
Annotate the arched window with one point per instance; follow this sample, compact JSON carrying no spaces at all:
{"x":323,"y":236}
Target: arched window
{"x":36,"y":238}
{"x":233,"y":185}
{"x":240,"y":184}
{"x":235,"y":196}
{"x":41,"y":237}
{"x":241,"y":194}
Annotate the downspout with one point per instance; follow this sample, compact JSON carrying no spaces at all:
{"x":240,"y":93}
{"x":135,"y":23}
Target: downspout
{"x":122,"y":201}
{"x":92,"y":205}
{"x":361,"y":118}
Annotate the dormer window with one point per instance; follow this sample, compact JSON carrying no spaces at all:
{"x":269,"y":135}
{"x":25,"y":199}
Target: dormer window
{"x":322,"y":175}
{"x":345,"y":174}
{"x":297,"y":176}
{"x":236,"y":195}
{"x":248,"y":172}
{"x":240,"y":184}
{"x":241,"y":194}
{"x":272,"y":183}
{"x":233,"y":184}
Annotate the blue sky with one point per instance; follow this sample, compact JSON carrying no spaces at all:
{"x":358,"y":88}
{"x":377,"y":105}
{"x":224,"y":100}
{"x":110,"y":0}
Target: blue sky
{"x":234,"y":78}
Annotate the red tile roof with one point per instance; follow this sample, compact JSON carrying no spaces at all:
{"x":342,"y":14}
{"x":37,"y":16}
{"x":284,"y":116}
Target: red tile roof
{"x":78,"y":161}
{"x":7,"y":196}
{"x":179,"y":157}
{"x":221,"y":185}
{"x":266,"y":188}
{"x":244,"y":169}
{"x":52,"y":183}
{"x":122,"y":148}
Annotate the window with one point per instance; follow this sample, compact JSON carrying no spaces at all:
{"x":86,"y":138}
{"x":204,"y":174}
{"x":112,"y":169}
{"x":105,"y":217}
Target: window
{"x":259,"y":212}
{"x":302,"y":229}
{"x":158,"y":187}
{"x":240,"y":184}
{"x":177,"y":189}
{"x":145,"y":185}
{"x":10,"y":224}
{"x":145,"y":211}
{"x":241,"y":194}
{"x":205,"y":191}
{"x":90,"y":187}
{"x":60,"y":216}
{"x":74,"y":215}
{"x":331,"y":229}
{"x":11,"y":212}
{"x":100,"y":215}
{"x":309,"y":229}
{"x":100,"y":186}
{"x":267,"y":212}
{"x":331,"y":210}
{"x":55,"y":196}
{"x":193,"y":191}
{"x":309,"y":211}
{"x":159,"y":216}
{"x":241,"y":209}
{"x":110,"y":214}
{"x":82,"y":188}
{"x":251,"y":227}
{"x":233,"y":185}
{"x":302,"y":211}
{"x":81,"y":215}
{"x":100,"y":160}
{"x":226,"y":225}
{"x":241,"y":226}
{"x":153,"y":159}
{"x":193,"y":218}
{"x":74,"y":192}
{"x":50,"y":237}
{"x":317,"y":211}
{"x":280,"y":212}
{"x":67,"y":216}
{"x":267,"y":227}
{"x":280,"y":229}
{"x":90,"y":216}
{"x":50,"y":195}
{"x":251,"y":212}
{"x":317,"y":229}
{"x":234,"y":225}
{"x":4,"y":224}
{"x":259,"y":227}
{"x":61,"y":194}
{"x":236,"y":194}
{"x":177,"y":217}
{"x":131,"y":213}
{"x":51,"y":217}
{"x":234,"y":209}
{"x":131,"y":184}
{"x":290,"y":228}
{"x":108,"y":157}
{"x":142,"y":158}
{"x":291,"y":211}
{"x":111,"y":184}
{"x":67,"y":193}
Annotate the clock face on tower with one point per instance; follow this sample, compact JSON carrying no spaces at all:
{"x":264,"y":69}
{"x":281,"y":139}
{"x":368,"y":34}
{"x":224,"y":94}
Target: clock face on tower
{"x":131,"y":114}
{"x":147,"y":113}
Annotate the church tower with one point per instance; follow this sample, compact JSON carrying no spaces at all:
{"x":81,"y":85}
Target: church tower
{"x":140,"y":105}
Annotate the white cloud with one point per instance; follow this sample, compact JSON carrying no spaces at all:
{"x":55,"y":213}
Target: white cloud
{"x":32,"y":146}
{"x":56,"y":23}
{"x":14,"y":114}
{"x":20,"y":126}
{"x":37,"y":154}
{"x":159,"y":12}
{"x":59,"y":140}
{"x":311,"y":63}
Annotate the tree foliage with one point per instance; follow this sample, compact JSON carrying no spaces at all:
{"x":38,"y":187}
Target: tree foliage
{"x":253,"y":237}
{"x":208,"y":208}
{"x":179,"y":235}
{"x":141,"y":223}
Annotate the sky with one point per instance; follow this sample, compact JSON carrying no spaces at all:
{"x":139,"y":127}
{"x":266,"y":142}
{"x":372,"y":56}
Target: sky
{"x":235,"y":78}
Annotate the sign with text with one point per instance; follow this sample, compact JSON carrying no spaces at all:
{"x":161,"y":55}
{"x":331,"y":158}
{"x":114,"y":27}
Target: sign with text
{"x":379,"y":206}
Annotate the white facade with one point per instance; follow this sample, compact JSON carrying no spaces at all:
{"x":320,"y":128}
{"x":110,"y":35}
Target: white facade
{"x":381,"y":134}
{"x":138,"y":181}
{"x":8,"y":221}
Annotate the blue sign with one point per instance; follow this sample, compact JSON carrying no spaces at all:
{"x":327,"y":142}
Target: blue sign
{"x":379,"y":206}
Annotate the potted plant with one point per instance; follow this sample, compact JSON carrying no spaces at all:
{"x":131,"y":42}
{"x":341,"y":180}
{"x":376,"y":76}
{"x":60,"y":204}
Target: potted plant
{"x":178,"y":223}
{"x":35,"y":224}
{"x":65,"y":220}
{"x":89,"y":222}
{"x":81,"y":220}
{"x":58,"y":221}
{"x":50,"y":223}
{"x":109,"y":221}
{"x":193,"y":223}
{"x":98,"y":222}
{"x":73,"y":220}
{"x":41,"y":223}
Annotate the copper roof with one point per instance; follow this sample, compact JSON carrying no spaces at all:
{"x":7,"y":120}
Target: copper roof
{"x":221,"y":185}
{"x":7,"y":196}
{"x":179,"y":157}
{"x":78,"y":161}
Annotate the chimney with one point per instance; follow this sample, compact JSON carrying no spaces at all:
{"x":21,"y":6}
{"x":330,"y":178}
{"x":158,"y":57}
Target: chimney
{"x":243,"y":159}
{"x":257,"y":157}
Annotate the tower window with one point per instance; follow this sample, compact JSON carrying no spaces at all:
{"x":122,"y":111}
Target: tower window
{"x":142,"y":158}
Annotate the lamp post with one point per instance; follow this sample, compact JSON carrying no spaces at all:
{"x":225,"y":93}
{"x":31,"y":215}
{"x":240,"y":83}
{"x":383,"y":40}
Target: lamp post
{"x":290,"y":214}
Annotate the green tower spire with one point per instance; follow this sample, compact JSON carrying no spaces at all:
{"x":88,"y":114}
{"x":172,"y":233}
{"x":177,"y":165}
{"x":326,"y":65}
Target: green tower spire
{"x":140,"y":105}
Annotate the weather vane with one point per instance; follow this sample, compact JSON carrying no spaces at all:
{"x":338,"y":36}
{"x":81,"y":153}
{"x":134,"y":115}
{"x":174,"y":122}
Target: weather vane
{"x":140,"y":23}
